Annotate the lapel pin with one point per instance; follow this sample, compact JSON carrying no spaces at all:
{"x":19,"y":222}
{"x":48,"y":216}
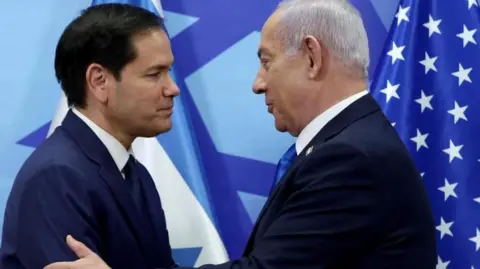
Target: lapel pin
{"x":309,"y":150}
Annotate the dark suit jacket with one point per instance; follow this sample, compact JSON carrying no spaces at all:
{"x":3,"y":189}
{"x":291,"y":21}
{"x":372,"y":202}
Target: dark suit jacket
{"x":71,"y":185}
{"x":353,"y":199}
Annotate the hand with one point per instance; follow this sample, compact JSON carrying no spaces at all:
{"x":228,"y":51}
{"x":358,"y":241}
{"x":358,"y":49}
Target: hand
{"x":88,"y":259}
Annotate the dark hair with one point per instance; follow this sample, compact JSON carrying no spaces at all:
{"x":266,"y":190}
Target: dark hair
{"x":102,"y":34}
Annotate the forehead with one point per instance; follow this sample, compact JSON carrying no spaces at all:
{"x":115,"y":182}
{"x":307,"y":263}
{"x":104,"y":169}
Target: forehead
{"x":269,"y":42}
{"x":152,"y":47}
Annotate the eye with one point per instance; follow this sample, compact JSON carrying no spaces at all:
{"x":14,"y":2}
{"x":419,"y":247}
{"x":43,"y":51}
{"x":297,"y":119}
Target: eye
{"x":265,"y":63}
{"x":153,"y":75}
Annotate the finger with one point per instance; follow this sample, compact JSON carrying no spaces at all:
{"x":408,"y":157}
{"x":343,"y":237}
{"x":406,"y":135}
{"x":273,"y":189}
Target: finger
{"x":78,"y":247}
{"x":59,"y":265}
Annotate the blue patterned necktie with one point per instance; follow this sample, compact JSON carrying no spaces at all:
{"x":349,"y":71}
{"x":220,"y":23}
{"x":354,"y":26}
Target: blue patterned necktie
{"x":284,"y":164}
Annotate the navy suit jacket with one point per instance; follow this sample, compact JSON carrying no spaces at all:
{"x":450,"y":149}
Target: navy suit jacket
{"x":71,"y":185}
{"x":353,"y":199}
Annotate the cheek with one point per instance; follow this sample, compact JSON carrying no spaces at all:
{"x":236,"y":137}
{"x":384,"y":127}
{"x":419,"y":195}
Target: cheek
{"x":154,"y":99}
{"x":146,"y":94}
{"x":278,"y":88}
{"x":130,"y":101}
{"x":287,"y":101}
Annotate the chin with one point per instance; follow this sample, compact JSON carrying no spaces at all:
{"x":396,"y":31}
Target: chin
{"x":280,"y":127}
{"x":164,"y":127}
{"x":153,"y":133}
{"x":157,"y":130}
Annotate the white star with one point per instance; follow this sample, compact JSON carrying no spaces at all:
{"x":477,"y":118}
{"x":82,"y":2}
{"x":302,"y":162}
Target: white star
{"x":472,"y":3}
{"x":391,"y":91}
{"x":422,"y":174}
{"x":432,"y":26}
{"x":429,"y":63}
{"x":420,"y":139}
{"x":448,"y":190}
{"x":424,"y":101}
{"x":441,"y":264}
{"x":394,"y":123}
{"x":458,"y":112}
{"x":396,"y":53}
{"x":402,"y":14}
{"x":444,"y":228}
{"x":462,"y":74}
{"x":467,"y":36}
{"x":477,"y":200}
{"x":476,"y":240}
{"x":453,"y":151}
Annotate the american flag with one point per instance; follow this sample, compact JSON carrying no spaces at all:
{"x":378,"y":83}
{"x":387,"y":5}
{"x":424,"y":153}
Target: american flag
{"x":428,"y":85}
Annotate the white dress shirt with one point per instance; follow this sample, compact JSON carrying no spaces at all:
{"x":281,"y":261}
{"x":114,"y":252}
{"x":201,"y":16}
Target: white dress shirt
{"x":314,"y":127}
{"x":119,"y":154}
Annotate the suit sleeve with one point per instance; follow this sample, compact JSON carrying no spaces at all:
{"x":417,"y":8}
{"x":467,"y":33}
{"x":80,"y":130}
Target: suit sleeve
{"x":53,"y":204}
{"x":328,"y":220}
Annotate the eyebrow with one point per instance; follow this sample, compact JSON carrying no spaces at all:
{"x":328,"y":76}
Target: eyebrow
{"x":158,"y":67}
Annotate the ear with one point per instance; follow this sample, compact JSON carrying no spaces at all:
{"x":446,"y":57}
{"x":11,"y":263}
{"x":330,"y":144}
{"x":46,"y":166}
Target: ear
{"x":97,"y":82}
{"x":317,"y":56}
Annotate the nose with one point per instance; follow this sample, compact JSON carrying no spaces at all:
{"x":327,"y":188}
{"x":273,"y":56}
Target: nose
{"x":259,"y":85}
{"x":172,"y":89}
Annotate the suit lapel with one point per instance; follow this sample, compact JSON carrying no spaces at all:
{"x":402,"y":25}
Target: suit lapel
{"x":135,"y":218}
{"x":108,"y":171}
{"x":159,"y":249}
{"x":358,"y":110}
{"x":154,"y":208}
{"x":361,"y":108}
{"x":270,"y":199}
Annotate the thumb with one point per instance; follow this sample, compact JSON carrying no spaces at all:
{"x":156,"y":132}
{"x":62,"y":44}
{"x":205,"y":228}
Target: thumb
{"x":78,"y":247}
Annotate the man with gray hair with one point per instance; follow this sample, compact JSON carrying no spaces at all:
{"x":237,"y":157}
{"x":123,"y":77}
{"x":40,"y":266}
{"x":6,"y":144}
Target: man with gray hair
{"x":347,"y":193}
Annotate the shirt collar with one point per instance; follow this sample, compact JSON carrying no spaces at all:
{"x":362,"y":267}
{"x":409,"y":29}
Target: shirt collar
{"x":118,"y":152}
{"x":316,"y":125}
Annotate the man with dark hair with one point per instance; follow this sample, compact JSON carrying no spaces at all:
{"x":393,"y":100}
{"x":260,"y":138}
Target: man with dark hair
{"x":113,"y":65}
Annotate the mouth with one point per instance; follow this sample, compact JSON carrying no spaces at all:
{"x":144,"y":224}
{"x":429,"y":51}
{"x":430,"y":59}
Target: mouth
{"x":168,"y":108}
{"x":269,"y":108}
{"x":165,"y":111}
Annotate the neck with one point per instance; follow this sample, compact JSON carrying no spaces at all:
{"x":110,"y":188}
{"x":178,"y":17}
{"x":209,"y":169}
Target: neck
{"x":108,"y":126}
{"x":328,"y":95}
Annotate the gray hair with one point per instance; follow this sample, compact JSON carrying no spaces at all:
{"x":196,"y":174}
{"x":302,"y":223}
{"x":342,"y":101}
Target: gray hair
{"x":335,"y":22}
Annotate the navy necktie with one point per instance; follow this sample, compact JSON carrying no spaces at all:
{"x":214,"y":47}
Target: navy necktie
{"x":284,"y":164}
{"x":133,"y":182}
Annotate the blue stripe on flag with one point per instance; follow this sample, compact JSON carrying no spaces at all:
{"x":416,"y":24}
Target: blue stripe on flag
{"x":180,"y":145}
